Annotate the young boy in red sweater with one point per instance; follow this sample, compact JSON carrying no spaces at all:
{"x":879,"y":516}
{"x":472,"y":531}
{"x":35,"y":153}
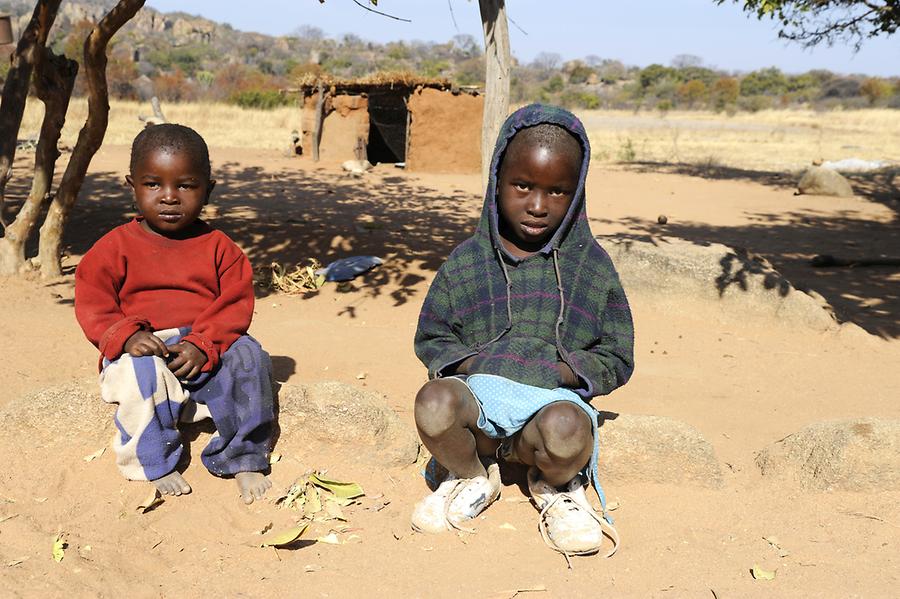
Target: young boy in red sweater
{"x":168,"y":300}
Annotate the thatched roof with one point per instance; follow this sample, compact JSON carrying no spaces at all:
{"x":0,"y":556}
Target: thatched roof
{"x":308,"y":83}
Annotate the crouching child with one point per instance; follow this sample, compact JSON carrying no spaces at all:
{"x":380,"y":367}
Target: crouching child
{"x":524,"y":323}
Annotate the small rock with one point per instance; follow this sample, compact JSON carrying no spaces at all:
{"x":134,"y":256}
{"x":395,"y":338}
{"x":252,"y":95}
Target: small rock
{"x":346,"y":418}
{"x":637,"y":448}
{"x":662,"y":219}
{"x":822,"y":181}
{"x":846,"y":455}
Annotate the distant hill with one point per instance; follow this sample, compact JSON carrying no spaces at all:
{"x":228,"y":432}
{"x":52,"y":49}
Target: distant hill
{"x":181,"y":57}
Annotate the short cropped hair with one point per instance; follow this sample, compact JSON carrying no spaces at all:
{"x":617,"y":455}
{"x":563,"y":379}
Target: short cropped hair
{"x":552,"y":137}
{"x":172,"y":137}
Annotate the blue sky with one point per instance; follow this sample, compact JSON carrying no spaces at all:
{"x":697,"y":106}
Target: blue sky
{"x":637,"y":32}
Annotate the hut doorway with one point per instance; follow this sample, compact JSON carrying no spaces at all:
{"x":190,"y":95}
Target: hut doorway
{"x":388,"y":123}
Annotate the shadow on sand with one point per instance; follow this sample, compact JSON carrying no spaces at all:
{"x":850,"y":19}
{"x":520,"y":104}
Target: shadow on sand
{"x":868,"y":296}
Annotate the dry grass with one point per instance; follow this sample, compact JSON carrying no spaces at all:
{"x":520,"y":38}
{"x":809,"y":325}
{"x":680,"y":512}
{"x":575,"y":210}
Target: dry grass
{"x":773,"y":140}
{"x":222,"y":125}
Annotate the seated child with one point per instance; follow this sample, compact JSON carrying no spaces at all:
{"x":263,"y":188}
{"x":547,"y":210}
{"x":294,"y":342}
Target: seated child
{"x":167,"y":300}
{"x":524,"y":323}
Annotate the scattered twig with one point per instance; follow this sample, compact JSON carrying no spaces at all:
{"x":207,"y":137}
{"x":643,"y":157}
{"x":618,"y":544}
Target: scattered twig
{"x":378,"y":12}
{"x":869,"y":517}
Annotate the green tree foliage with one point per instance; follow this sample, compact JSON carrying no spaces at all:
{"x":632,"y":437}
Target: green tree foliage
{"x":874,"y":90}
{"x":813,"y":22}
{"x":692,"y":92}
{"x":654,"y":74}
{"x":770,"y":82}
{"x":725,"y":92}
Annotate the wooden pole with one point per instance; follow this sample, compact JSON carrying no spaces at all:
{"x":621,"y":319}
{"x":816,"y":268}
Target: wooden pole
{"x":317,"y":127}
{"x":497,"y":76}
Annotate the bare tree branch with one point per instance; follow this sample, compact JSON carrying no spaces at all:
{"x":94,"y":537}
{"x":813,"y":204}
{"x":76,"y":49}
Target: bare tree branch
{"x":378,"y":12}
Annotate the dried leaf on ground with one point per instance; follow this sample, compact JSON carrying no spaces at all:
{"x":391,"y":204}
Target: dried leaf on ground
{"x":342,"y":490}
{"x":152,"y":501}
{"x":59,"y":546}
{"x":760,"y":574}
{"x":296,"y":494}
{"x":313,"y":504}
{"x":95,"y":455}
{"x":298,"y":280}
{"x":15,"y":562}
{"x":507,"y":526}
{"x":285,"y":537}
{"x":274,"y":458}
{"x":331,"y":539}
{"x":333,"y":510}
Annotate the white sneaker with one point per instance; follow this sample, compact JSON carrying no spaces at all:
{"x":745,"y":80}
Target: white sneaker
{"x":568,"y":523}
{"x":455,"y":501}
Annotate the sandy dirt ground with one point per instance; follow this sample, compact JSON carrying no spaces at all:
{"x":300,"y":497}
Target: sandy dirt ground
{"x":743,"y":384}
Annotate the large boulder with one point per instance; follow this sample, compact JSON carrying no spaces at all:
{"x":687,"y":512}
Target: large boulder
{"x":845,"y":455}
{"x":345,"y":419}
{"x":655,"y":449}
{"x":667,"y":269}
{"x":821,"y":181}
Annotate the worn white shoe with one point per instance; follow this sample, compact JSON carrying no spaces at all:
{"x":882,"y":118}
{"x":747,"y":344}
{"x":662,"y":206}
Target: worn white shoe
{"x":567,"y":522}
{"x":455,"y":501}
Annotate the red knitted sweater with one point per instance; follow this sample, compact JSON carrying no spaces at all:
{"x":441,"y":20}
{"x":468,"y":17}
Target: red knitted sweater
{"x":133,"y":279}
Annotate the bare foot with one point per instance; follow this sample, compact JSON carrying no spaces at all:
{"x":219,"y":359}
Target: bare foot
{"x":253,"y":485}
{"x":172,"y":484}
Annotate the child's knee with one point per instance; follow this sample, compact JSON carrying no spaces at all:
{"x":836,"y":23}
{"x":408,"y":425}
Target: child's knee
{"x":566,"y":430}
{"x":439,"y":406}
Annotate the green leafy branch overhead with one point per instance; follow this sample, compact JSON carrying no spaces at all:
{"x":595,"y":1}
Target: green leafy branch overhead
{"x":812,"y":22}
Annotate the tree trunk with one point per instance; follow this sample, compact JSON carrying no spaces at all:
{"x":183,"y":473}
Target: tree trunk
{"x":89,"y":138}
{"x":54,"y":78}
{"x":15,"y":90}
{"x":496,"y":78}
{"x":30,"y":55}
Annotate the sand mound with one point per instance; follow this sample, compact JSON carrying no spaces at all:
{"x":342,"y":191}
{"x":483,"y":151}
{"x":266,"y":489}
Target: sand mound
{"x":847,"y":455}
{"x":342,"y":417}
{"x":57,"y":413}
{"x":655,"y":449}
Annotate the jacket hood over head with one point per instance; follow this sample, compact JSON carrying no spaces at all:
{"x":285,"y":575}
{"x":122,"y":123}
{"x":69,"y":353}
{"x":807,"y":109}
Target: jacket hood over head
{"x":574,"y":225}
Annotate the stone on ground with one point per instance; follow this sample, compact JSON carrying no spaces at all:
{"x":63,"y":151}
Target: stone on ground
{"x":56,"y":414}
{"x":845,"y":455}
{"x":343,"y":417}
{"x":655,"y":449}
{"x":668,"y":269}
{"x":821,"y":181}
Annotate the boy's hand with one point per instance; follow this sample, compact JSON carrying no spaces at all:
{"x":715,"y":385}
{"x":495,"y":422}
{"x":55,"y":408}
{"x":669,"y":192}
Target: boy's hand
{"x":567,"y":377}
{"x":145,"y":343}
{"x":188,"y":360}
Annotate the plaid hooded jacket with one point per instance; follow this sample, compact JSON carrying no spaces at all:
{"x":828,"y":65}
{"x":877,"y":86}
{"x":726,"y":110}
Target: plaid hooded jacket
{"x":520,"y":316}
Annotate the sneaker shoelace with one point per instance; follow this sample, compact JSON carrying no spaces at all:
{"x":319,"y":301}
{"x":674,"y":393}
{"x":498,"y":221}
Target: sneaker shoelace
{"x":571,"y":505}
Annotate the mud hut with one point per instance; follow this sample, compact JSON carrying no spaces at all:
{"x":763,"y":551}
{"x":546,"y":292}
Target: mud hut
{"x":428,"y":125}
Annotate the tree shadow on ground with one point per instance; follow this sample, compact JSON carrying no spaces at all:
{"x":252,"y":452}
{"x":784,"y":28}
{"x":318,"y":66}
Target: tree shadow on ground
{"x":882,"y":186}
{"x":291,"y":216}
{"x":867,"y":296}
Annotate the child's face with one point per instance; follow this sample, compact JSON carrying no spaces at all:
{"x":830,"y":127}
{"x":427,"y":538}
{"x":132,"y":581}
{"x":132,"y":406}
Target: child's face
{"x":536,"y":187}
{"x":170,"y":190}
